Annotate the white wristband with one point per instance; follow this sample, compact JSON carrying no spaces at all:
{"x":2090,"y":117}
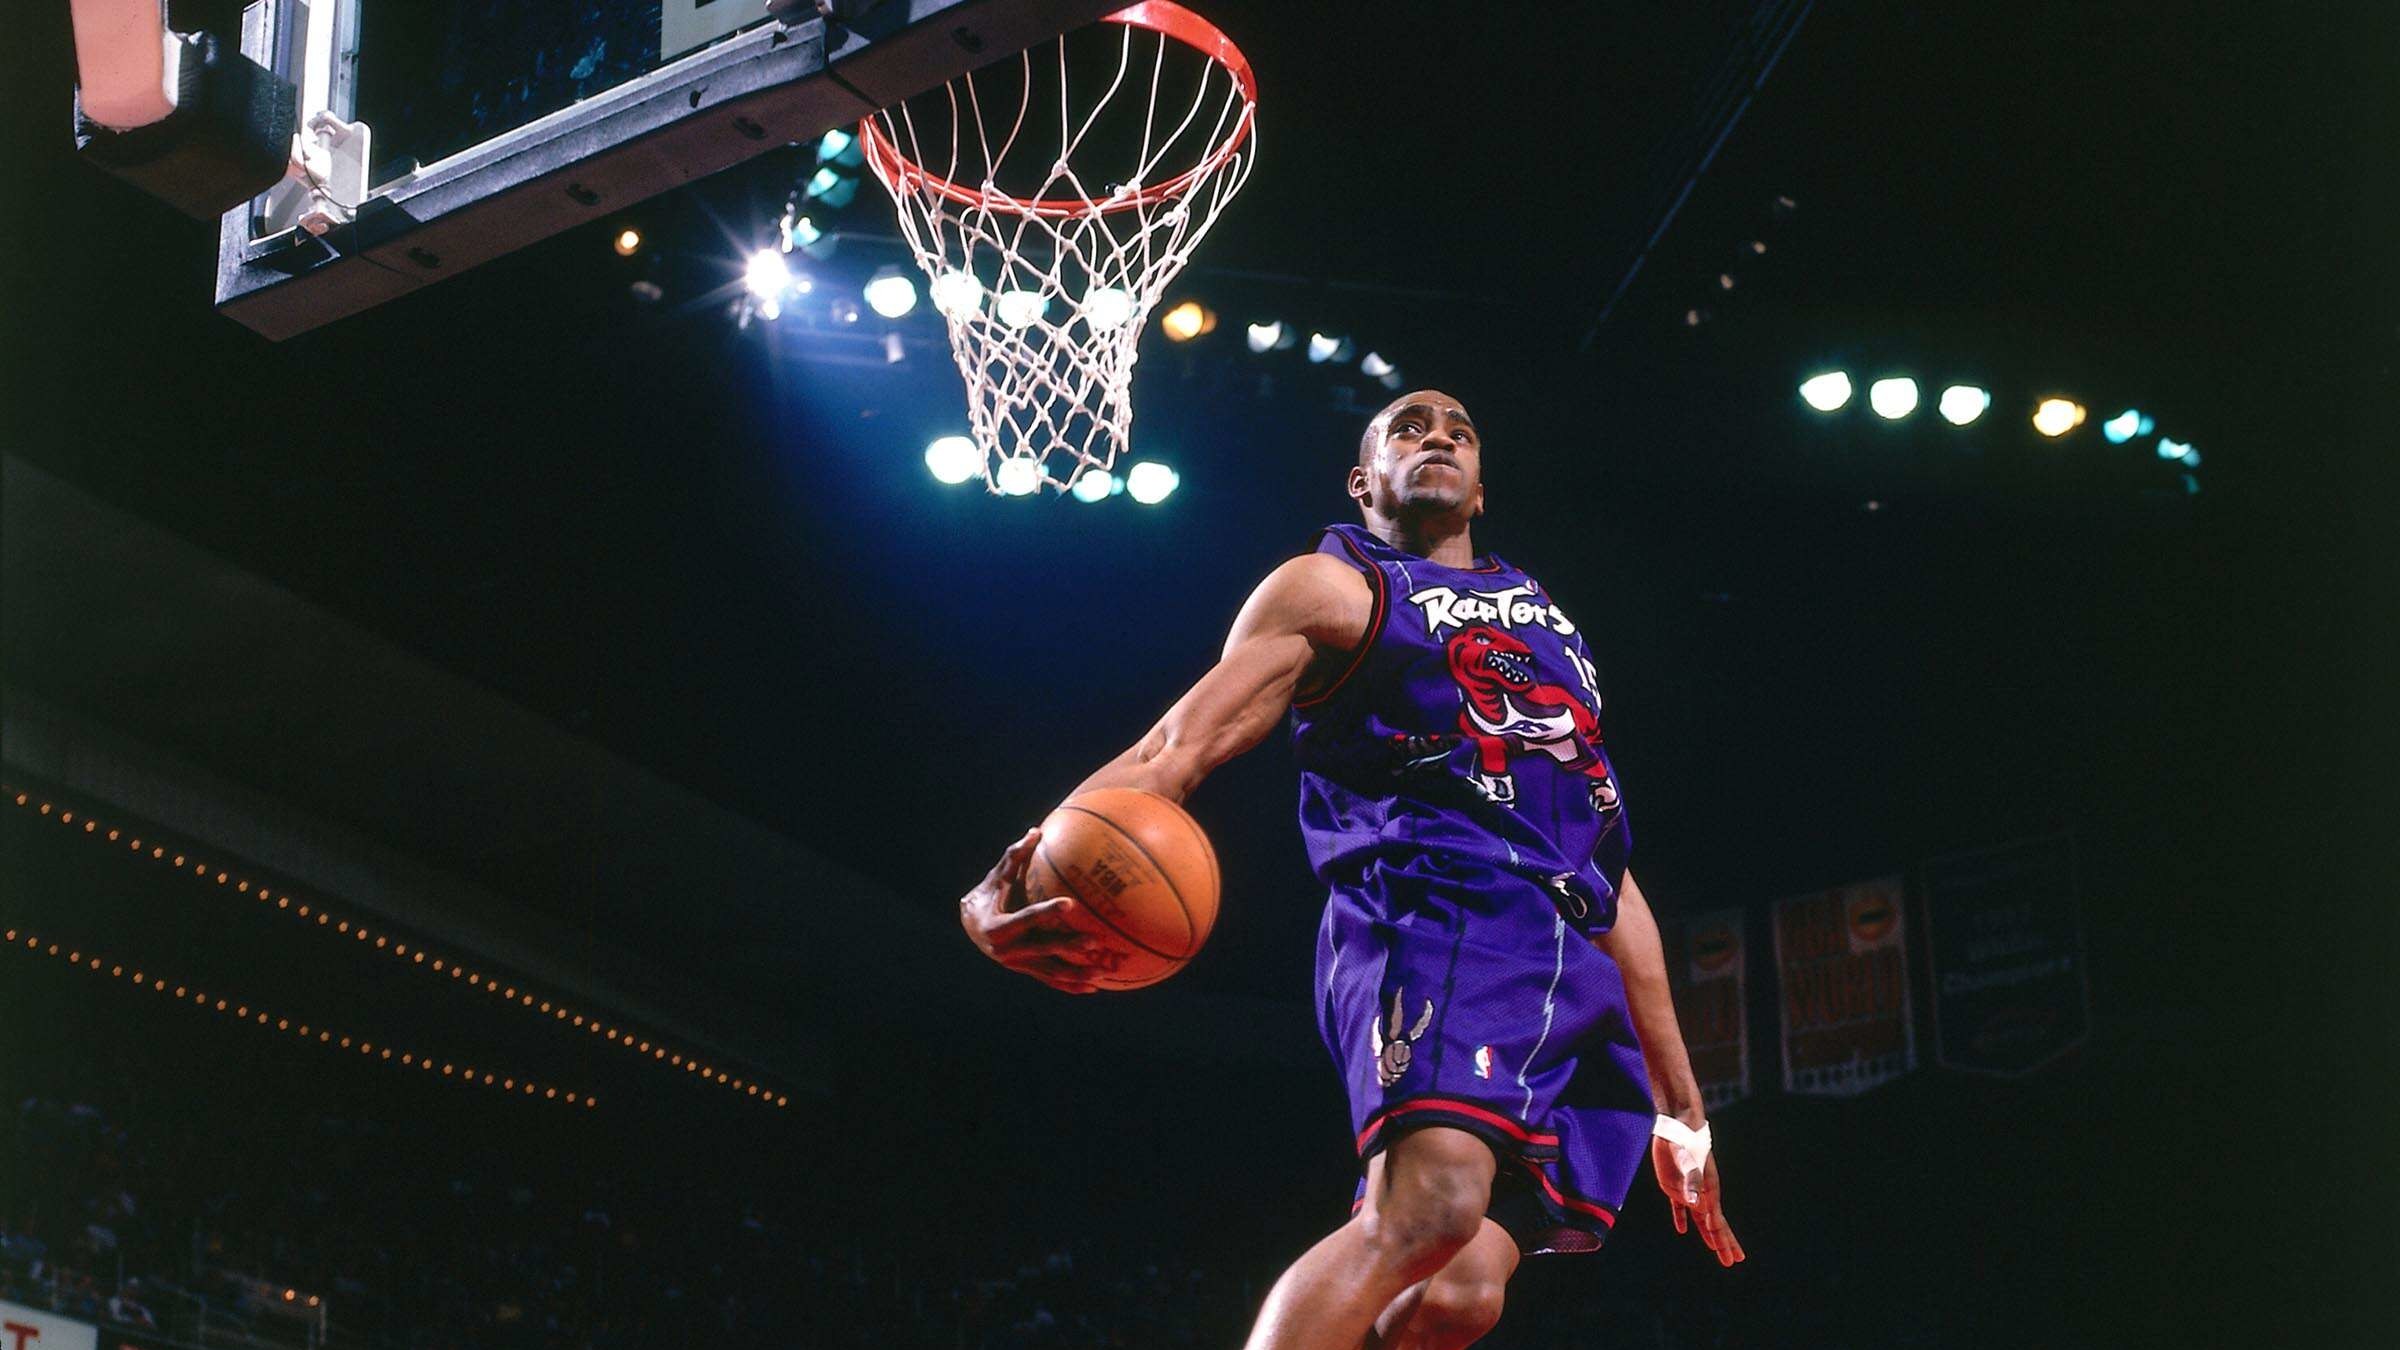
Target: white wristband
{"x":1690,"y":1148}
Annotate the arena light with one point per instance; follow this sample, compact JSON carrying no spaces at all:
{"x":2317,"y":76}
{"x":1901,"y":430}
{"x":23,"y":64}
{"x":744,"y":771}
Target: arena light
{"x":1963,"y":403}
{"x":2125,"y":426}
{"x":1095,"y":485}
{"x":1188,"y":320}
{"x":891,"y":292}
{"x":628,"y":242}
{"x":1018,"y":476}
{"x":1324,"y":347}
{"x":315,"y":916}
{"x":767,"y":275}
{"x":953,"y":459}
{"x":96,"y":964}
{"x":839,"y":145}
{"x":2169,"y":448}
{"x":1893,"y":398}
{"x":1150,"y":482}
{"x":803,"y":233}
{"x":1272,"y":336}
{"x":957,"y":294}
{"x":1105,"y":307}
{"x":1826,"y":393}
{"x":2055,"y":417}
{"x":1020,"y":309}
{"x":1373,"y":366}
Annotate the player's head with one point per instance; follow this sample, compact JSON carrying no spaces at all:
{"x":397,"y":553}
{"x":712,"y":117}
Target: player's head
{"x":1420,"y":456}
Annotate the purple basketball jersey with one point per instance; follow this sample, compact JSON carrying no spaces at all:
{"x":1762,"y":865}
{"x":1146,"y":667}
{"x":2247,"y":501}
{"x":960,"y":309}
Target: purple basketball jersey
{"x":1467,"y":723}
{"x":1457,"y":804}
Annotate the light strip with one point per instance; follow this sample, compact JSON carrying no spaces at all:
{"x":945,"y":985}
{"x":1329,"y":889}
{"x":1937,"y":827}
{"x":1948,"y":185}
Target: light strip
{"x":414,"y":956}
{"x":15,"y":939}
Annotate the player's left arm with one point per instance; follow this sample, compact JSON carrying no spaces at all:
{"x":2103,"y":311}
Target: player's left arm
{"x":1634,"y":944}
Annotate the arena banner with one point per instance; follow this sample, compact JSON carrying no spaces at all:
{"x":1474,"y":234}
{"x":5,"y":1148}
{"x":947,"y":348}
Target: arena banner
{"x":1707,"y":966}
{"x":2005,"y":928}
{"x":1842,"y":957}
{"x":23,"y":1328}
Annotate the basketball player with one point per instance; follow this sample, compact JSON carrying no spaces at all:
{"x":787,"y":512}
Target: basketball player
{"x":1489,"y":977}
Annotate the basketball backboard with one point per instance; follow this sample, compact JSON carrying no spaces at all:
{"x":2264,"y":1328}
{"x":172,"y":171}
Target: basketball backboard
{"x":441,"y":134}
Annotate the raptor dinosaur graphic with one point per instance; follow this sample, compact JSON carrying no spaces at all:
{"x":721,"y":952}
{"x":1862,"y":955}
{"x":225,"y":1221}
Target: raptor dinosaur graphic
{"x":1510,"y":712}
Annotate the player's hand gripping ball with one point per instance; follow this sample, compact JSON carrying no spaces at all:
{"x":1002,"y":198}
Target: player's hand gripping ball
{"x":1117,"y":889}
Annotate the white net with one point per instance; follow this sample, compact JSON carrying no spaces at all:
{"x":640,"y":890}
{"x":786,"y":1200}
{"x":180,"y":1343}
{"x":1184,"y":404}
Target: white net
{"x":1047,"y":271}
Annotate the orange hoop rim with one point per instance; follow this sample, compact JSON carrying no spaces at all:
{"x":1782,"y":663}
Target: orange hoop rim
{"x":1158,"y":16}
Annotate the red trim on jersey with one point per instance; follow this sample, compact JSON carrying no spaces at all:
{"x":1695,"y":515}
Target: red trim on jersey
{"x":1358,"y":655}
{"x":1470,"y":1110}
{"x":1606,"y":1216}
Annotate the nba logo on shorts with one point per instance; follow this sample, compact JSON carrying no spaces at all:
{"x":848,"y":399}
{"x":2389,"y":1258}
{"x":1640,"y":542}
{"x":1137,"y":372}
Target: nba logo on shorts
{"x":1483,"y":1061}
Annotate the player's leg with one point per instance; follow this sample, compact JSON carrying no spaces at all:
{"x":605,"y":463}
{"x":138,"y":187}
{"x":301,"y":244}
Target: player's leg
{"x":1459,"y":1305}
{"x":1425,"y":1199}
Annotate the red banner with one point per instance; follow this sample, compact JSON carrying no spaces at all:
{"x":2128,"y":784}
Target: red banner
{"x":1842,"y":955}
{"x":1707,"y":966}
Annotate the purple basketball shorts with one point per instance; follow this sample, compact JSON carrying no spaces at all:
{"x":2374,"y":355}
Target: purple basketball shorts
{"x":1457,"y":995}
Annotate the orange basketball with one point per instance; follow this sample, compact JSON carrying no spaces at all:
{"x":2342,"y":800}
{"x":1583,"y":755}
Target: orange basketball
{"x":1143,"y":876}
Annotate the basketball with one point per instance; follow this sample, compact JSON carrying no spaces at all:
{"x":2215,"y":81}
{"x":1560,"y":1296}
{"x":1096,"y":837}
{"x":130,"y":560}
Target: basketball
{"x":1143,"y":875}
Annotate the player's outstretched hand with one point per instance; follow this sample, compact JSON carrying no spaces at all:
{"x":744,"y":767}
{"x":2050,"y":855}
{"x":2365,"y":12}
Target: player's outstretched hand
{"x":1698,"y":1203}
{"x":1040,"y":940}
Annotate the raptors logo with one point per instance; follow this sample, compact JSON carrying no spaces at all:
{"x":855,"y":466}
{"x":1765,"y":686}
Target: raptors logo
{"x":1509,"y":712}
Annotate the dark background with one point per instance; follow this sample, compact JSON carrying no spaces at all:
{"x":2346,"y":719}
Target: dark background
{"x":1830,"y":647}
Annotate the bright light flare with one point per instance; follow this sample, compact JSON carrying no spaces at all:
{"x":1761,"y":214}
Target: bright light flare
{"x":1266,"y":337}
{"x":957,"y":294}
{"x":2125,"y":426}
{"x":1106,"y":307}
{"x":1963,"y":403}
{"x":1149,"y":482}
{"x":1324,"y":347}
{"x":891,"y":293}
{"x":1095,"y":485}
{"x":1020,"y":309}
{"x":2169,"y":448}
{"x":2056,"y":417}
{"x":1373,"y":366}
{"x":1894,"y":398}
{"x":1018,"y":477}
{"x":767,"y":275}
{"x":1188,"y":320}
{"x":954,"y":459}
{"x":1826,"y":393}
{"x":628,"y":242}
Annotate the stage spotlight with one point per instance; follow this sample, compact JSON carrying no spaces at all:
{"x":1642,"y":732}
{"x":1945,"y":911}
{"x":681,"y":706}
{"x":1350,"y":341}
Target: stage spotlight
{"x":2125,"y":426}
{"x":1149,"y":482}
{"x":768,"y":275}
{"x":1094,"y":485}
{"x":2174,"y":449}
{"x":2056,"y":417}
{"x":1374,"y":367}
{"x":1324,"y":347}
{"x":891,"y":292}
{"x":1018,"y":477}
{"x":957,"y":294}
{"x":1272,"y":336}
{"x":1187,"y":321}
{"x":1894,"y":398}
{"x":834,"y":189}
{"x":1104,"y":307}
{"x":953,"y":459}
{"x":1390,"y":379}
{"x":1827,"y":392}
{"x":803,"y":233}
{"x":1019,"y":309}
{"x":839,"y":145}
{"x":628,"y":242}
{"x":1963,"y":403}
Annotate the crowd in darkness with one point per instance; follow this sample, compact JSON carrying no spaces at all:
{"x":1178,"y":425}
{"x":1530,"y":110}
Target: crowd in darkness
{"x":104,"y":1212}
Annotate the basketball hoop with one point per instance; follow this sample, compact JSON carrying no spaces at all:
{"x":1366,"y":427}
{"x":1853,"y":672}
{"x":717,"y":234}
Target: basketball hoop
{"x":1046,"y":279}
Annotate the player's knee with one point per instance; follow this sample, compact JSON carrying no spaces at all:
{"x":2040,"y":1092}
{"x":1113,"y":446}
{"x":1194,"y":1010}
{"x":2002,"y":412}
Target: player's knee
{"x":1427,"y":1215}
{"x":1459,"y":1312}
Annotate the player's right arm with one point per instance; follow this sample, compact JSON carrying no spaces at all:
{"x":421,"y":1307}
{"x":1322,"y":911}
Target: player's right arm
{"x":1306,"y":618}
